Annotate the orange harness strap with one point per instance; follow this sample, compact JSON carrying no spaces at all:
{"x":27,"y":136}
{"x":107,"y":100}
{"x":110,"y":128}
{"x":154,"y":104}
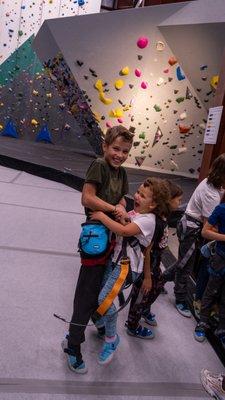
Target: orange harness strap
{"x":104,"y":306}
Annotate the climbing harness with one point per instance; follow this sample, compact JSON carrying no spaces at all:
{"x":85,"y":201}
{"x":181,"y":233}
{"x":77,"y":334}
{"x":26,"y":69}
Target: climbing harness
{"x":188,"y":227}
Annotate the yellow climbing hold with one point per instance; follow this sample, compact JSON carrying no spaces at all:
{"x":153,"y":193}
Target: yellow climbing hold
{"x":119,"y":84}
{"x":214,"y":82}
{"x":116,"y":113}
{"x":127,"y":107}
{"x":104,"y":99}
{"x":35,"y":92}
{"x":1,"y":127}
{"x":125,"y":71}
{"x":49,"y":95}
{"x":99,"y":85}
{"x":34,"y":122}
{"x":97,"y":116}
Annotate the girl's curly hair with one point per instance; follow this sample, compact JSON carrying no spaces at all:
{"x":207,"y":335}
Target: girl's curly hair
{"x":161,"y":195}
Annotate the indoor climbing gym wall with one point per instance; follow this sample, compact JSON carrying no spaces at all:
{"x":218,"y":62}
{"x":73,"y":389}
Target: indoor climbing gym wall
{"x":29,"y":100}
{"x":129,"y":75}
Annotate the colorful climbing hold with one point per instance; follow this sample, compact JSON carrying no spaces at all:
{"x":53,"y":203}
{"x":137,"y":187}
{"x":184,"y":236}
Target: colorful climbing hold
{"x":160,"y":46}
{"x":183,"y":116}
{"x":142,"y":42}
{"x":142,"y":135}
{"x":137,"y":72}
{"x":119,"y":83}
{"x":116,"y":113}
{"x":180,"y":74}
{"x":104,"y":99}
{"x":125,"y":71}
{"x":158,"y":136}
{"x":180,"y":99}
{"x":172,"y":61}
{"x":214,"y":82}
{"x":144,"y":85}
{"x":157,"y":108}
{"x":160,"y":81}
{"x":184,"y":128}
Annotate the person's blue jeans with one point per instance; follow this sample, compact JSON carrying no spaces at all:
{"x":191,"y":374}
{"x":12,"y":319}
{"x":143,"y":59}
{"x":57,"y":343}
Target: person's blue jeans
{"x":109,"y":320}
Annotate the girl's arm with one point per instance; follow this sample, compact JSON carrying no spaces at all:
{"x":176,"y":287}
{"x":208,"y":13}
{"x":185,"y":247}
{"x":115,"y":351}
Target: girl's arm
{"x":147,"y":282}
{"x":208,"y":232}
{"x":121,"y":230}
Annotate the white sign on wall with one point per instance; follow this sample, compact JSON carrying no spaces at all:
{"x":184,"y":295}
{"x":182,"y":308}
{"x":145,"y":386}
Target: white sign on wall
{"x":213,"y":124}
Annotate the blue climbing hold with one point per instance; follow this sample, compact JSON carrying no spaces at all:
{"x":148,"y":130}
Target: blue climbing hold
{"x":44,"y":135}
{"x":81,"y":2}
{"x":10,"y":130}
{"x":180,"y":74}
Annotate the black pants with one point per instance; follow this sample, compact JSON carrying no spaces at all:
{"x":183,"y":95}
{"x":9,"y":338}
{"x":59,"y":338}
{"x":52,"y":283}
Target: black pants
{"x":85,"y":302}
{"x":215,"y":290}
{"x":191,"y":236}
{"x":141,"y":307}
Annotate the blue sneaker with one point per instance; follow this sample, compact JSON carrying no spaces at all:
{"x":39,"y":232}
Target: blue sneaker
{"x":141,"y":332}
{"x":183,"y":309}
{"x":74,"y":364}
{"x":107,"y":352}
{"x":150,"y":319}
{"x":199,"y":333}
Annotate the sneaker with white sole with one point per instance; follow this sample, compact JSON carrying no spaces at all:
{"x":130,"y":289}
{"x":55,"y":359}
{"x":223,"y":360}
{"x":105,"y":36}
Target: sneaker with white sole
{"x":199,"y":333}
{"x":108,"y":350}
{"x":141,"y":332}
{"x":183,"y":309}
{"x":150,"y":319}
{"x":212,"y":383}
{"x":75,"y":364}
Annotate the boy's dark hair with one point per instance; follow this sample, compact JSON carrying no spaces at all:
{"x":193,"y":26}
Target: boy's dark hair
{"x":160,"y":194}
{"x":175,"y":190}
{"x":216,"y":175}
{"x":118,"y":131}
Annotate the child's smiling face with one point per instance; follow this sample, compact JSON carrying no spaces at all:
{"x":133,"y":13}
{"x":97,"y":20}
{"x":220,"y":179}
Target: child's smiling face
{"x":143,"y":200}
{"x":117,"y":152}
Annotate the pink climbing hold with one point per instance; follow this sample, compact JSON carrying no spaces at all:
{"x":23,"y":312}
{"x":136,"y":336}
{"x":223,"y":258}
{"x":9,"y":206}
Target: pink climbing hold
{"x":137,"y":72}
{"x":109,"y":124}
{"x":142,"y":42}
{"x":120,"y":120}
{"x":166,"y":71}
{"x":144,"y":85}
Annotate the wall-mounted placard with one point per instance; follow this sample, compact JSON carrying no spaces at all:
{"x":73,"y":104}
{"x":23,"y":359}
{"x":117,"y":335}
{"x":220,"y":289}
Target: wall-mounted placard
{"x":213,"y":124}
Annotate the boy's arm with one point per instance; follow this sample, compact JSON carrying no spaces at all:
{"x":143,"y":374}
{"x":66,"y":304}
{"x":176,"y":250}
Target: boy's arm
{"x":147,"y":282}
{"x":90,"y":200}
{"x":209,"y":232}
{"x":121,"y":230}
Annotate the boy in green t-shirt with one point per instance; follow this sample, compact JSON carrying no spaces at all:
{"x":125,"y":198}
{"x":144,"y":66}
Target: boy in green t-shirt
{"x":104,"y":189}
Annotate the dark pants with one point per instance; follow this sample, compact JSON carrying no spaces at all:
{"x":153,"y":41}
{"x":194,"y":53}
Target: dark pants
{"x":140,"y":305}
{"x":85,"y":302}
{"x":215,"y":290}
{"x":202,"y":278}
{"x":192,"y":236}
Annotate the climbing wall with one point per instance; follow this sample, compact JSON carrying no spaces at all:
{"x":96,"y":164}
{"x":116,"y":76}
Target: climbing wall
{"x":22,"y":18}
{"x":129,"y":75}
{"x":28,"y":98}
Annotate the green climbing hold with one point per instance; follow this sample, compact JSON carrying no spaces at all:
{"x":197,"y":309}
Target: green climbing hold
{"x":20,"y":33}
{"x":157,"y":108}
{"x":180,"y":99}
{"x":142,"y":135}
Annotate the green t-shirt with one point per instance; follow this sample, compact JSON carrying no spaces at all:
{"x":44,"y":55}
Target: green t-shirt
{"x":111,"y":183}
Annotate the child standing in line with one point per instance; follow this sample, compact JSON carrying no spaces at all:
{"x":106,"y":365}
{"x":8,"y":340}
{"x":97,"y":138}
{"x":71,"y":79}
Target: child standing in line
{"x":205,"y":198}
{"x":151,"y":199}
{"x":104,"y":189}
{"x":216,"y":284}
{"x":147,"y":289}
